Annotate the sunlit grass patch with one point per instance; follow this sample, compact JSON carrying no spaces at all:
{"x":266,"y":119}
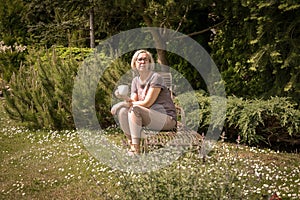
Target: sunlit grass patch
{"x":229,"y":173}
{"x":55,"y":165}
{"x":48,"y":164}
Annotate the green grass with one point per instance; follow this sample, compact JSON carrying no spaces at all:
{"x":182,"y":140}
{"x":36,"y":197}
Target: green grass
{"x":55,"y":165}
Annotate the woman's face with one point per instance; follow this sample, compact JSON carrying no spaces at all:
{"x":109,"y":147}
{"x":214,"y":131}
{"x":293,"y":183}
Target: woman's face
{"x":142,"y":62}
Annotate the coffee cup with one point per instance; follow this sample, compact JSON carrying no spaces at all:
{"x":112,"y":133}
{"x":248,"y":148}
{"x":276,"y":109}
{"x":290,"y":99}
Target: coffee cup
{"x":123,"y":90}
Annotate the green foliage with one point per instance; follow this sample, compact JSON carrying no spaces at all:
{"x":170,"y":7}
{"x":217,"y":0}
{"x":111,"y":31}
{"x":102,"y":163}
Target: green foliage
{"x":12,"y":38}
{"x":41,"y":92}
{"x":57,"y":22}
{"x":274,"y":120}
{"x":256,"y":46}
{"x":258,"y":51}
{"x":188,"y":71}
{"x":97,"y":78}
{"x":117,"y":72}
{"x":75,"y":53}
{"x":266,"y":120}
{"x":11,"y":57}
{"x":12,"y":28}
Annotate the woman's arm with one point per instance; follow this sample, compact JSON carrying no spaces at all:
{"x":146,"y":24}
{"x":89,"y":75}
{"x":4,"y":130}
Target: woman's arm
{"x":134,"y":97}
{"x":150,"y":98}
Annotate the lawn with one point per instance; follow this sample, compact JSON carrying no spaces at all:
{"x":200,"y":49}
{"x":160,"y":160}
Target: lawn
{"x":55,"y":165}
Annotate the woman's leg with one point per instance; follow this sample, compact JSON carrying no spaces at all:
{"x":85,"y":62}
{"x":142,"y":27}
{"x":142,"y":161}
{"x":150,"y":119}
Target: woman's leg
{"x":124,"y":125}
{"x":135,"y":125}
{"x":140,"y":116}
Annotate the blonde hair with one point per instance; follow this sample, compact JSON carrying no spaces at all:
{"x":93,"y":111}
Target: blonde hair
{"x":136,"y":54}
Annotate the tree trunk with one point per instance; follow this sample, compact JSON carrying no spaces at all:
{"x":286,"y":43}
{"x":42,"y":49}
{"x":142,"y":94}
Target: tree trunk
{"x":92,"y":30}
{"x":160,"y":45}
{"x":162,"y":59}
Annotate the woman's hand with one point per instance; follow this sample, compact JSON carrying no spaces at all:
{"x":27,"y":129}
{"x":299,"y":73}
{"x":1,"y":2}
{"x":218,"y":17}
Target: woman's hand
{"x":117,"y":94}
{"x":119,"y":105}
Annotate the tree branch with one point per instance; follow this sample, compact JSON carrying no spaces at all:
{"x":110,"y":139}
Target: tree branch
{"x":182,"y":19}
{"x":202,"y":31}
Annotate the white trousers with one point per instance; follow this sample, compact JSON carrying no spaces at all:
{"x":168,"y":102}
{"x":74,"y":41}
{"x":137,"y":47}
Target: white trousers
{"x":134,"y":118}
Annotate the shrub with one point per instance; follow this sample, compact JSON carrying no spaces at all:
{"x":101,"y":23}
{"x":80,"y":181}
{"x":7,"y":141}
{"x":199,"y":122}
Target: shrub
{"x":41,"y":91}
{"x":117,"y":73}
{"x":86,"y":100}
{"x":275,"y":119}
{"x":269,"y":121}
{"x":11,"y":56}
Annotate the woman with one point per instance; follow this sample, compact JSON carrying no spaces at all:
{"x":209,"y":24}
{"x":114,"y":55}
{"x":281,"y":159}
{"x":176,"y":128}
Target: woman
{"x":150,"y":102}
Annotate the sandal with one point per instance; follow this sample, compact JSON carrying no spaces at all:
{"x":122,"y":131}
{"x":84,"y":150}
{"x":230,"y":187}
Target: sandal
{"x":134,"y":149}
